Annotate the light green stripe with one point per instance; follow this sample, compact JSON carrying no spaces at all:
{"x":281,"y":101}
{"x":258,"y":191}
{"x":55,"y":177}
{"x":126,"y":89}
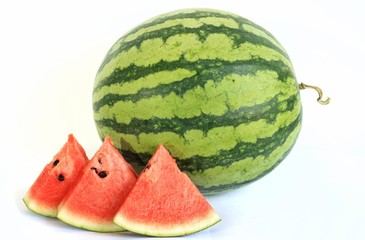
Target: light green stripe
{"x":216,"y":46}
{"x":211,"y":99}
{"x":182,"y":13}
{"x":220,"y":46}
{"x":263,"y":34}
{"x":147,"y":82}
{"x":199,"y":143}
{"x":245,"y":169}
{"x":186,"y":23}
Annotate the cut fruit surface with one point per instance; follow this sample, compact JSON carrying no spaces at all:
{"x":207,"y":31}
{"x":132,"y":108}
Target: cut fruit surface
{"x":164,"y":201}
{"x":96,"y":197}
{"x":57,"y":177}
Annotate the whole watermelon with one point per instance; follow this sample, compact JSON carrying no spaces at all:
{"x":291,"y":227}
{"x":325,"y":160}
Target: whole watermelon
{"x":218,"y":91}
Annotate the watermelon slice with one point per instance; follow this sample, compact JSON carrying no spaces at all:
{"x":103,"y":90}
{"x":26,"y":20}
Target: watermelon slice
{"x":104,"y":184}
{"x":164,"y":201}
{"x":44,"y":196}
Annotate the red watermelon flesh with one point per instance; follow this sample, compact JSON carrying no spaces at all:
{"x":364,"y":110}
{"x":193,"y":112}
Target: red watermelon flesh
{"x":96,"y":197}
{"x":44,"y":196}
{"x":164,"y":201}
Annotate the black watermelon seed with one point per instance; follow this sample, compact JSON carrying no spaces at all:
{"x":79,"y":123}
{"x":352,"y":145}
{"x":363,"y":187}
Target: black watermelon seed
{"x":55,"y":163}
{"x":103,"y":174}
{"x":61,"y":177}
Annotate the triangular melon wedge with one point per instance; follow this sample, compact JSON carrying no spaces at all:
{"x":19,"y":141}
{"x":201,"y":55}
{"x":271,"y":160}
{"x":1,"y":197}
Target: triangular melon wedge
{"x":164,"y":201}
{"x":104,"y":184}
{"x":56,"y":178}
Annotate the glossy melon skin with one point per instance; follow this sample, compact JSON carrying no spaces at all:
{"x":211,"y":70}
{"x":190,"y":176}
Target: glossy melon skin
{"x":164,"y":202}
{"x":95,"y":198}
{"x":217,"y":90}
{"x":57,"y":177}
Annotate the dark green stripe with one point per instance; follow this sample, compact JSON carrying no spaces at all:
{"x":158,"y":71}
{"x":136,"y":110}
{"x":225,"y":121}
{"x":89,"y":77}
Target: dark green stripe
{"x":134,"y":72}
{"x":196,"y":15}
{"x":238,"y":36}
{"x":232,"y":186}
{"x":206,"y":70}
{"x":241,"y":151}
{"x":201,"y":13}
{"x":268,"y":111}
{"x":162,"y":19}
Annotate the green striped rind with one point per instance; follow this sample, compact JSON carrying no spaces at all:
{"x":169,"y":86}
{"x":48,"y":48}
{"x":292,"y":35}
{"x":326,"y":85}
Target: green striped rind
{"x":217,"y":90}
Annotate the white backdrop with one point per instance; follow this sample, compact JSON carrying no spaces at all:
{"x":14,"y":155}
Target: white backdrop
{"x":49,"y":55}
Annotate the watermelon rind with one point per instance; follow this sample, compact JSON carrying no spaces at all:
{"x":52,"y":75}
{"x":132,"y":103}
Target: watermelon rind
{"x":85,"y":223}
{"x":216,"y":89}
{"x":176,"y":230}
{"x":39,"y":208}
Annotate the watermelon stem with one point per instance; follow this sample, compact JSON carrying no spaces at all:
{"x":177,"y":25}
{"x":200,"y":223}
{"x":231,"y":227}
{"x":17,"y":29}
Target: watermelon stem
{"x":319,"y":91}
